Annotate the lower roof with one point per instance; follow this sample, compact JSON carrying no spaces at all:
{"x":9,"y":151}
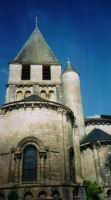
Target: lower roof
{"x":96,"y":135}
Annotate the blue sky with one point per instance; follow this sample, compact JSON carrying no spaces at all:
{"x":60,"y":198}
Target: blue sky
{"x":78,"y":29}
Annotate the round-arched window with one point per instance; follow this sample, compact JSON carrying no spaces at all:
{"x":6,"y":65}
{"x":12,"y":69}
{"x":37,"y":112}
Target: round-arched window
{"x":27,"y":94}
{"x":29,"y":169}
{"x":42,"y":195}
{"x":51,"y":95}
{"x":43,"y":94}
{"x":19,"y":95}
{"x":28,"y":196}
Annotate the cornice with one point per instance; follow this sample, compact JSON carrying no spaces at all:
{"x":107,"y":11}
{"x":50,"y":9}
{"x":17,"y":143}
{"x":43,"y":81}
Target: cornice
{"x":97,"y":121}
{"x":64,"y":110}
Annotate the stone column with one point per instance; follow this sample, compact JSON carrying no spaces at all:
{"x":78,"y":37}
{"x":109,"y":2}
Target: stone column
{"x":10,"y":95}
{"x":42,"y":155}
{"x":17,"y":158}
{"x":36,"y":89}
{"x":97,"y":163}
{"x":77,"y":155}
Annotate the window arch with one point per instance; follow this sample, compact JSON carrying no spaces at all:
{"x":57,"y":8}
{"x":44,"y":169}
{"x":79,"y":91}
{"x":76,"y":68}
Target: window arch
{"x":71,"y":165}
{"x":19,"y":95}
{"x":27,"y":94}
{"x":28,"y":196}
{"x":29,"y":168}
{"x":43,"y":94}
{"x":51,"y":95}
{"x":42,"y":195}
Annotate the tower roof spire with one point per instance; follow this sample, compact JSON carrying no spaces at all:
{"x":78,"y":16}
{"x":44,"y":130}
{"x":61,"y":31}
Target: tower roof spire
{"x":68,"y":61}
{"x":36,"y":22}
{"x":69,"y":67}
{"x":35,"y":50}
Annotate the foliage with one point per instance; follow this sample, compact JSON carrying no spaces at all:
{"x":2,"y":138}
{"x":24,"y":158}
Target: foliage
{"x":93,"y":190}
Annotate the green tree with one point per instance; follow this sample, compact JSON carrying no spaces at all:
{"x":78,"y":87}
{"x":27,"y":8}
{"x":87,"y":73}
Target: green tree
{"x":93,"y":190}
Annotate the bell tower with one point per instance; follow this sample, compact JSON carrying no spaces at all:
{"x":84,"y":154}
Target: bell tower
{"x":34,"y":71}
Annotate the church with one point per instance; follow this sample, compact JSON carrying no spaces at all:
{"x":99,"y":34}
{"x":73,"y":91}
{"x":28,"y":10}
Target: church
{"x":47,"y":147}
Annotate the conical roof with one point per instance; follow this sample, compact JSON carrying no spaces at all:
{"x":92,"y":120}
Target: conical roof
{"x":69,"y":67}
{"x":35,"y":51}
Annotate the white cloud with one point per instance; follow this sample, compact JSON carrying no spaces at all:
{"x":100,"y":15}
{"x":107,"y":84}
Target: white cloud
{"x":94,"y":116}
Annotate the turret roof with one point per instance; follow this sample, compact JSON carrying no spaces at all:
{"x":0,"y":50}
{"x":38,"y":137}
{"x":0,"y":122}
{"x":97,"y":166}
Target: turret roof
{"x":36,"y":51}
{"x":69,"y":67}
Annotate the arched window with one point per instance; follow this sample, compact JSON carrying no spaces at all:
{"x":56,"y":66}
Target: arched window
{"x":43,"y":94}
{"x":56,"y":195}
{"x":28,"y":196}
{"x":71,"y":165}
{"x":27,"y":94}
{"x":19,"y":95}
{"x":42,"y":195}
{"x":29,"y":171}
{"x":51,"y":95}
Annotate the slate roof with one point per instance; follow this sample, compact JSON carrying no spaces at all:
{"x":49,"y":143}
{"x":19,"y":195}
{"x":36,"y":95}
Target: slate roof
{"x":96,"y":135}
{"x":35,"y":51}
{"x":33,"y":98}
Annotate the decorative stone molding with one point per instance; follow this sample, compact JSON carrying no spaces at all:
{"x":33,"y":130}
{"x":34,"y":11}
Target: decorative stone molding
{"x":97,"y":121}
{"x":43,"y":154}
{"x":31,"y":104}
{"x":98,"y":144}
{"x":28,"y":140}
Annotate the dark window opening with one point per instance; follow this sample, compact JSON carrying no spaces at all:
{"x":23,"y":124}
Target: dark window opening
{"x":13,"y":195}
{"x":29,"y":164}
{"x":46,"y":73}
{"x":2,"y":197}
{"x":56,"y":195}
{"x":42,"y":195}
{"x":109,"y":193}
{"x":28,"y":196}
{"x":25,"y":72}
{"x":71,"y":165}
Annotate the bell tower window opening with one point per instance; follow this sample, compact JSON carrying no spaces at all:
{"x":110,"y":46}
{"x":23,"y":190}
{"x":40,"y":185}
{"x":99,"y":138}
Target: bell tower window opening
{"x":46,"y":73}
{"x":29,"y":168}
{"x":25,"y":72}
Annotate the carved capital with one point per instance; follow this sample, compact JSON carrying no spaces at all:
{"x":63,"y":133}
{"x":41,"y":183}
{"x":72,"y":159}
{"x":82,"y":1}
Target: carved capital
{"x":17,"y":155}
{"x":43,"y":154}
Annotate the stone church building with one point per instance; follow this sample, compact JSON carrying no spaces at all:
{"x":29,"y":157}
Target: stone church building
{"x":47,"y":148}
